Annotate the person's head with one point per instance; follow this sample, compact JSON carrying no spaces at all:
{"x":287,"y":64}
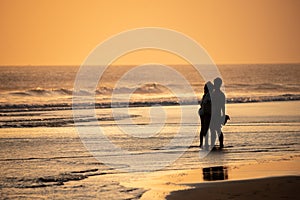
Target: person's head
{"x":217,"y":83}
{"x":208,"y":87}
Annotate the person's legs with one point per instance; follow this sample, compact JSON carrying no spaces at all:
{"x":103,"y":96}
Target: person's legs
{"x":202,"y":131}
{"x":201,"y":139}
{"x":221,"y":139}
{"x":219,"y":134}
{"x":206,"y":141}
{"x":205,"y":121}
{"x":213,"y":137}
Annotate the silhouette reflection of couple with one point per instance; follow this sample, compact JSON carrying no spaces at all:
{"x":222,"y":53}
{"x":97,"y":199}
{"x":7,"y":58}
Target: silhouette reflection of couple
{"x":212,"y":113}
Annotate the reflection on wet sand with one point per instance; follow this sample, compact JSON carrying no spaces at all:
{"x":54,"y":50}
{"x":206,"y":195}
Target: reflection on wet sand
{"x":215,"y":173}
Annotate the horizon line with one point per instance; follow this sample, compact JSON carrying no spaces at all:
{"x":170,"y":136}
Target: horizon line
{"x":73,"y":65}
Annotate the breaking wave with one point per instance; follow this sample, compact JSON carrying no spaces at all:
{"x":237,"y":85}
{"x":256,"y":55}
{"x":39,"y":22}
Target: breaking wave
{"x":23,"y":107}
{"x":144,"y":89}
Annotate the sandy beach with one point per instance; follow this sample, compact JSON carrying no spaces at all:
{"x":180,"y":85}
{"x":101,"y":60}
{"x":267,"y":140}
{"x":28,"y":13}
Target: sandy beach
{"x":267,"y":188}
{"x":270,"y":180}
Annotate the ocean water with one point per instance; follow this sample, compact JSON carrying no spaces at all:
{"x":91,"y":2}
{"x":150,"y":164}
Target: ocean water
{"x":43,"y":154}
{"x":53,"y":85}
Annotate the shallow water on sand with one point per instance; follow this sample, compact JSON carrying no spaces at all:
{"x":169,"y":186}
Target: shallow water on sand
{"x":52,"y":161}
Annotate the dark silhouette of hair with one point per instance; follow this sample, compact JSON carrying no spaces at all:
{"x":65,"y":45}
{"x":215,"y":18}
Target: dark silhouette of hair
{"x":208,"y":87}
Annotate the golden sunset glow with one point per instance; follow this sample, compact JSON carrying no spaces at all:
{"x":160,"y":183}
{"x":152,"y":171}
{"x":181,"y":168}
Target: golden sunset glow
{"x":54,"y":32}
{"x":149,"y":99}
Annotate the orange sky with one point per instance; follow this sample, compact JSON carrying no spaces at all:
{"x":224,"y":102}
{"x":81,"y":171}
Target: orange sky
{"x":63,"y":32}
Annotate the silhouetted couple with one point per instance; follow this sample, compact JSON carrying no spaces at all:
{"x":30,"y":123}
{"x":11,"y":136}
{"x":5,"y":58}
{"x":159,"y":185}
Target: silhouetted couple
{"x":212,"y":113}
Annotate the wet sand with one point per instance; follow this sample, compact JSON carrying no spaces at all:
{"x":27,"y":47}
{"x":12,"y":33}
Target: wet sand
{"x":269,"y":180}
{"x":266,"y":188}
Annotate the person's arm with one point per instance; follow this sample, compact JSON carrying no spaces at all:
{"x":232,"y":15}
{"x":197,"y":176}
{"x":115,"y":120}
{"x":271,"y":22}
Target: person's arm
{"x":223,"y":108}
